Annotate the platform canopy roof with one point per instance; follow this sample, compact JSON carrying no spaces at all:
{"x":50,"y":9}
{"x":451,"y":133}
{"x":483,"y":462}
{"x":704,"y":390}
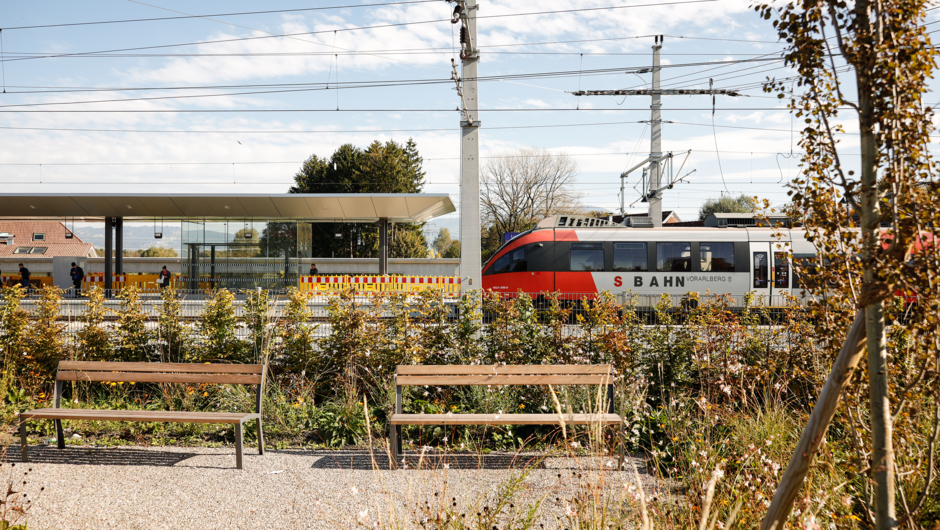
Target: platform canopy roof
{"x":314,"y":207}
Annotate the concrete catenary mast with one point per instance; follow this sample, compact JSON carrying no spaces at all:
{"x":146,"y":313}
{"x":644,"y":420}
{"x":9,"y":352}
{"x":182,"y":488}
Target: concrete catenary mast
{"x":470,"y":244}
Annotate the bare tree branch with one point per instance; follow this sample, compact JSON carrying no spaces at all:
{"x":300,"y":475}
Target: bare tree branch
{"x":521,"y":188}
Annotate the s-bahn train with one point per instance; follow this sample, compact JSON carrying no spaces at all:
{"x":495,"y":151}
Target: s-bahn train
{"x":580,"y":255}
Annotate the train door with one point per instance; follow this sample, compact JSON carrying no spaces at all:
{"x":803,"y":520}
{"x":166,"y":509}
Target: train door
{"x":761,"y":271}
{"x":780,"y":273}
{"x":770,"y":272}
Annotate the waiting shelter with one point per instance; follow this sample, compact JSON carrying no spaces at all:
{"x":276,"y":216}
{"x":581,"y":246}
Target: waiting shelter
{"x":233,"y":240}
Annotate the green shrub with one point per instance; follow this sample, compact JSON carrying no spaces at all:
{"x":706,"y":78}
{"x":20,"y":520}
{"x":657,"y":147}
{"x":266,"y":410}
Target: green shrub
{"x":295,"y":335}
{"x":172,"y":335}
{"x":14,"y":339}
{"x":345,"y":354}
{"x":46,"y":336}
{"x":257,"y":317}
{"x":218,"y":329}
{"x":134,"y":342}
{"x":94,"y":338}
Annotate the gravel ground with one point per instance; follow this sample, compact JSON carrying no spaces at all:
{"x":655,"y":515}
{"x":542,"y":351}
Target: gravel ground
{"x":184,"y":487}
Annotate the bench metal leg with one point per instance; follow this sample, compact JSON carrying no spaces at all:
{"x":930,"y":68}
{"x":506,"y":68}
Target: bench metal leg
{"x":59,"y":436}
{"x":393,"y":442}
{"x":260,"y":438}
{"x":622,"y":432}
{"x":238,"y":445}
{"x":23,"y":441}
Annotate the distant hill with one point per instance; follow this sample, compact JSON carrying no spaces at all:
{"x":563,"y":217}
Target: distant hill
{"x":137,"y":236}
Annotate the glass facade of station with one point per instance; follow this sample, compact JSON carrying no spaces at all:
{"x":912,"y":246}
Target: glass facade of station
{"x":244,"y":254}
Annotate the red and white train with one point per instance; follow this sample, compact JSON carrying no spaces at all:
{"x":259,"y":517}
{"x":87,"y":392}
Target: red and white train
{"x":579,"y":255}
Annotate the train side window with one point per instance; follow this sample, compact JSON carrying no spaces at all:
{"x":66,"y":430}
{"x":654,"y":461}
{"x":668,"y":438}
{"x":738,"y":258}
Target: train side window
{"x":502,"y":264}
{"x":674,"y":257}
{"x":760,"y":270}
{"x":630,"y":257}
{"x":781,"y":271}
{"x":587,"y":257}
{"x":517,"y":262}
{"x":804,"y":270}
{"x":717,"y":257}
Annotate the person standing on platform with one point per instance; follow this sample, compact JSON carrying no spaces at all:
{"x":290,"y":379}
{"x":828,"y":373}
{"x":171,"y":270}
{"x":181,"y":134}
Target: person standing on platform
{"x":24,"y":277}
{"x":164,"y":278}
{"x":313,"y":269}
{"x":77,"y":274}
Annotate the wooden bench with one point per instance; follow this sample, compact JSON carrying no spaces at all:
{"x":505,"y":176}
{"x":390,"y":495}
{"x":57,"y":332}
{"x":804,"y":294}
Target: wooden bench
{"x":449,"y":375}
{"x":245,"y":374}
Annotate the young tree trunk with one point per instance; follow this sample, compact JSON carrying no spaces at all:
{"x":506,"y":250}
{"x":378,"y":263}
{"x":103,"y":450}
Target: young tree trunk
{"x":815,"y":431}
{"x":882,"y":454}
{"x":882,"y":457}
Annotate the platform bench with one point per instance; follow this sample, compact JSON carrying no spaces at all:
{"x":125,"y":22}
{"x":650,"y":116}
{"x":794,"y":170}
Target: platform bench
{"x":450,"y":375}
{"x":191,"y":373}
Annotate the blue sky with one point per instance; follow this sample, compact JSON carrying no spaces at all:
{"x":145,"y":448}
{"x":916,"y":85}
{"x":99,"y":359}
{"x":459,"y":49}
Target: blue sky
{"x":245,"y":147}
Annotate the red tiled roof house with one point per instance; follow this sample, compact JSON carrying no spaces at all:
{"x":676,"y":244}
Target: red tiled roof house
{"x":40,"y":239}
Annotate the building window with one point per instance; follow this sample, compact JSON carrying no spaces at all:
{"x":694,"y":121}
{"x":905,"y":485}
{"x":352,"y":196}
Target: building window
{"x":39,"y":237}
{"x":587,"y":256}
{"x":717,"y":257}
{"x":674,"y":257}
{"x":630,"y":257}
{"x":38,"y":250}
{"x":21,"y":250}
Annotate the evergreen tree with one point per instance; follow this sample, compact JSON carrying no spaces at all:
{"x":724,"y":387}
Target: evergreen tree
{"x":442,"y":241}
{"x":380,"y":168}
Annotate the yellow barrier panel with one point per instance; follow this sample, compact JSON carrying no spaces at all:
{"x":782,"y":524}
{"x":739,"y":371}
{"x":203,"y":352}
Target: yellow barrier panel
{"x":35,"y":281}
{"x":323,"y":283}
{"x":385,"y":284}
{"x":97,"y":280}
{"x":416,"y":284}
{"x":144,"y":282}
{"x":372,"y":283}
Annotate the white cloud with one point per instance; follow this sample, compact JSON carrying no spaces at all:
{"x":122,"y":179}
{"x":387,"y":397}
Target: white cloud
{"x":537,"y":103}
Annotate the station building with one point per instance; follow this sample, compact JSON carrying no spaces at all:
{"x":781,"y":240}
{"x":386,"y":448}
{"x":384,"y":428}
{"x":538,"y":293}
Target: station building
{"x":234,"y":241}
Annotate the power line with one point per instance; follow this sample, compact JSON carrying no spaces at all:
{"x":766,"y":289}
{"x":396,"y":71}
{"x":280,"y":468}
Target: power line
{"x":373,"y":131}
{"x":335,"y":86}
{"x":724,"y":40}
{"x":156,"y":19}
{"x":229,"y":163}
{"x":295,"y":87}
{"x":351,"y":6}
{"x":435,"y":159}
{"x":324,"y":131}
{"x":256,"y":111}
{"x":428,"y":51}
{"x":445,"y":50}
{"x":358,"y":28}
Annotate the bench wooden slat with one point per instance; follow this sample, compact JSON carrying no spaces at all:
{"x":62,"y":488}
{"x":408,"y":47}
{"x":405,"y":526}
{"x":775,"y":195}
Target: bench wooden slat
{"x":140,"y":415}
{"x":535,"y":369}
{"x":142,"y":377}
{"x":502,"y":419}
{"x":214,"y":368}
{"x":503,"y":380}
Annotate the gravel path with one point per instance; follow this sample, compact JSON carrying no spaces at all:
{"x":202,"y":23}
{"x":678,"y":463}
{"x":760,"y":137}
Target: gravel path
{"x":183,"y":487}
